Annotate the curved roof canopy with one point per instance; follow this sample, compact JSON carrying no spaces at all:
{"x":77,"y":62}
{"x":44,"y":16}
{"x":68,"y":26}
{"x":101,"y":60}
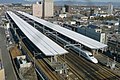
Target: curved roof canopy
{"x":86,"y":41}
{"x":46,"y":45}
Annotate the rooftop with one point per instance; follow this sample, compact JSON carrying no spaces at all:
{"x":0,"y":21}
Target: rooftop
{"x":46,"y":45}
{"x":86,"y":41}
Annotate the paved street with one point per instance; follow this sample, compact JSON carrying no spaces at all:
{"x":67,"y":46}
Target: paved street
{"x":9,"y":71}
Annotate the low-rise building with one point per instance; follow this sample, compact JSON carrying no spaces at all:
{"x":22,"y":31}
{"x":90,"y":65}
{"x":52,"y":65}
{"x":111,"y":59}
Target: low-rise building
{"x":22,"y":62}
{"x":62,"y":15}
{"x":112,"y":22}
{"x":94,"y":33}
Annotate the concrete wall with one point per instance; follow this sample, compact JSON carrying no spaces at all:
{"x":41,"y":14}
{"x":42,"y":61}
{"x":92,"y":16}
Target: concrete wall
{"x":48,"y":8}
{"x":37,"y":10}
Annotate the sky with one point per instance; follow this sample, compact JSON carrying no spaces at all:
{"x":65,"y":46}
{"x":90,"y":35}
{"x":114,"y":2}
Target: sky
{"x":12,"y":1}
{"x":92,"y":0}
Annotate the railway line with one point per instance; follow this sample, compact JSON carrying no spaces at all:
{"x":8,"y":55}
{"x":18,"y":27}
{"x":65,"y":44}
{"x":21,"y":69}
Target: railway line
{"x":95,"y":71}
{"x":44,"y":67}
{"x":81,"y":68}
{"x":73,"y":70}
{"x":99,"y":71}
{"x":78,"y":68}
{"x":47,"y":71}
{"x":50,"y":74}
{"x":70,"y":71}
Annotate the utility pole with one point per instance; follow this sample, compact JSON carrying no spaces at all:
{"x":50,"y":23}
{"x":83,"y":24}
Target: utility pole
{"x":108,"y":62}
{"x":34,"y":58}
{"x":117,"y":49}
{"x":118,"y":26}
{"x":113,"y":64}
{"x":34,"y":55}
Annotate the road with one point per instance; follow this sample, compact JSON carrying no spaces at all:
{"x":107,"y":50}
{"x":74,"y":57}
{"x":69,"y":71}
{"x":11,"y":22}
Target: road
{"x":7,"y":63}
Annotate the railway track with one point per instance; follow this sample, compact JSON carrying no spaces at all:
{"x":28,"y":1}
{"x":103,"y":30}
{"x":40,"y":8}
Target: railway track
{"x":41,"y":64}
{"x":95,"y":70}
{"x":49,"y":73}
{"x":81,"y":71}
{"x":80,"y":68}
{"x":101,"y":71}
{"x":76,"y":67}
{"x":73,"y":70}
{"x":107,"y":69}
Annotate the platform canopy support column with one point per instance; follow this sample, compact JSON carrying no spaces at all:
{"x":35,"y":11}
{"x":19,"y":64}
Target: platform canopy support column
{"x":34,"y":24}
{"x":56,"y":35}
{"x":93,"y":52}
{"x":51,"y":59}
{"x":105,"y":49}
{"x":55,"y":58}
{"x":102,"y":50}
{"x":15,"y":30}
{"x":64,"y":56}
{"x":43,"y":29}
{"x":11,"y":25}
{"x":19,"y":44}
{"x":97,"y":51}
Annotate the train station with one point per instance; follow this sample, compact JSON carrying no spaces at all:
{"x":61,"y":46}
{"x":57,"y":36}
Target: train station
{"x":48,"y":42}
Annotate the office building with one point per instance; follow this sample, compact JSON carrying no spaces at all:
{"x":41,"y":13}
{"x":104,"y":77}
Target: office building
{"x":48,"y":8}
{"x":110,"y":9}
{"x":67,"y":8}
{"x":43,"y":9}
{"x":93,"y":32}
{"x":37,"y":9}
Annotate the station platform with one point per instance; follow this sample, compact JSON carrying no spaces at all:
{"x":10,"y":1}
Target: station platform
{"x":57,"y":66}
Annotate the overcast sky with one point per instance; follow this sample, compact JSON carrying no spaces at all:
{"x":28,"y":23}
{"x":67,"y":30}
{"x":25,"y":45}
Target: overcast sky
{"x":92,"y":0}
{"x":11,"y":1}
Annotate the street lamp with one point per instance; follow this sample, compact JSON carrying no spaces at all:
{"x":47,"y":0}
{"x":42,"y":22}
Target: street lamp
{"x":34,"y":58}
